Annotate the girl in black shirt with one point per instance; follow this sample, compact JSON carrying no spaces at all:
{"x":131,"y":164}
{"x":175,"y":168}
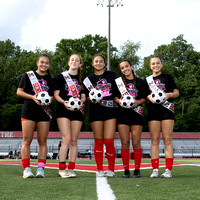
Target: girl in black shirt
{"x":102,"y":116}
{"x":69,"y":122}
{"x":130,"y":119}
{"x":33,"y":115}
{"x":161,"y":118}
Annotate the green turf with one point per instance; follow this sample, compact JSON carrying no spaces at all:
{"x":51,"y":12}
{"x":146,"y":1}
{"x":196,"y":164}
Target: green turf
{"x":184,"y":184}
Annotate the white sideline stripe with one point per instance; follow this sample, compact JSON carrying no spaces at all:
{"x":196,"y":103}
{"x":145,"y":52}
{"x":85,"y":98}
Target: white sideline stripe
{"x":104,"y":191}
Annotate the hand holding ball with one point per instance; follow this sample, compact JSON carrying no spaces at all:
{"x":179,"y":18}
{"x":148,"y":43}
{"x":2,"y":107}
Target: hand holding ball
{"x":44,"y":98}
{"x":158,"y":96}
{"x":74,"y":103}
{"x":127,"y":101}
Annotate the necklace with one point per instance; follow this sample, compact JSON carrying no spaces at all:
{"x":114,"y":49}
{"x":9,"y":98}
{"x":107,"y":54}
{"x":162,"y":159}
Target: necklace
{"x":99,"y":76}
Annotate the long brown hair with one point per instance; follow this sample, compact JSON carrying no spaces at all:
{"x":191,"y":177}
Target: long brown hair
{"x":79,"y":69}
{"x":123,"y":76}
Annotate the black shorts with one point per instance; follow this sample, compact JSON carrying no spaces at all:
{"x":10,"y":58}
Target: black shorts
{"x":36,"y":116}
{"x":101,"y":113}
{"x":160,"y":113}
{"x":129,"y":117}
{"x":71,"y":115}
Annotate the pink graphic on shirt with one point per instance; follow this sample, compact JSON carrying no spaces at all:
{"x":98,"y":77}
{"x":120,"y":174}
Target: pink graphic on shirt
{"x":132,"y":90}
{"x":160,"y":85}
{"x":78,"y":87}
{"x":43,"y":85}
{"x":104,"y":87}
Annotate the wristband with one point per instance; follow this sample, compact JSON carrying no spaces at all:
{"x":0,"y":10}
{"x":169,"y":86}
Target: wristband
{"x":171,"y":95}
{"x":138,"y":102}
{"x":63,"y":102}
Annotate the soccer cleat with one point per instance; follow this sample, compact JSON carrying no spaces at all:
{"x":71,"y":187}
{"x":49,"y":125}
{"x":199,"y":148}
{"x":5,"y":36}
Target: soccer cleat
{"x":167,"y":174}
{"x":40,"y":173}
{"x":137,"y":174}
{"x":155,"y":173}
{"x":71,"y":173}
{"x":126,"y":173}
{"x":63,"y":174}
{"x":27,"y":173}
{"x":110,"y":174}
{"x":100,"y":174}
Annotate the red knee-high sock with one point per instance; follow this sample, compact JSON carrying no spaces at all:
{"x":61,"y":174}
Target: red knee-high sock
{"x":41,"y":163}
{"x":155,"y":163}
{"x":125,"y":158}
{"x":26,"y":162}
{"x":110,"y":153}
{"x":71,"y":165}
{"x":137,"y":158}
{"x":98,"y":153}
{"x":62,"y":166}
{"x":169,"y":163}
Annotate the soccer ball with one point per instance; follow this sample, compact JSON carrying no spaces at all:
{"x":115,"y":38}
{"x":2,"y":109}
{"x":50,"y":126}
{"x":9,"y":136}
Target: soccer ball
{"x":74,"y":103}
{"x":44,"y":98}
{"x":158,"y":96}
{"x":127,"y":101}
{"x":95,"y":95}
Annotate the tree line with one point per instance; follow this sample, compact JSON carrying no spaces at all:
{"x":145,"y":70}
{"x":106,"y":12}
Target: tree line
{"x":179,"y":59}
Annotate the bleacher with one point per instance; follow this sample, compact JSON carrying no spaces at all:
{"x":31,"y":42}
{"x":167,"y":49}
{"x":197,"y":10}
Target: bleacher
{"x":186,"y":145}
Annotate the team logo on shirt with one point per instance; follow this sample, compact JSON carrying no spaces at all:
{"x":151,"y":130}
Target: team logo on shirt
{"x":104,"y":87}
{"x":132,"y":90}
{"x":43,"y":85}
{"x":160,"y":85}
{"x":77,"y":86}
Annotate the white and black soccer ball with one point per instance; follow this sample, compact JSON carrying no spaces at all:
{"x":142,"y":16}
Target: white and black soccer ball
{"x":158,"y":96}
{"x":44,"y":98}
{"x":74,"y":103}
{"x":127,"y":101}
{"x":95,"y":95}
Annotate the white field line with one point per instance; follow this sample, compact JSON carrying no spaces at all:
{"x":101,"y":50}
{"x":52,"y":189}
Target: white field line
{"x":104,"y":191}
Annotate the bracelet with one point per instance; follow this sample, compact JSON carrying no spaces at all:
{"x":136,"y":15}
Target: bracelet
{"x":63,"y":102}
{"x":171,"y":95}
{"x":138,"y":102}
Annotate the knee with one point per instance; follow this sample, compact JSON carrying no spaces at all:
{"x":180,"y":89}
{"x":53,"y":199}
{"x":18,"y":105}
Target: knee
{"x":136,"y":145}
{"x":27,"y":142}
{"x":125,"y":145}
{"x":73,"y":143}
{"x":42,"y":143}
{"x":167,"y":141}
{"x":155,"y":141}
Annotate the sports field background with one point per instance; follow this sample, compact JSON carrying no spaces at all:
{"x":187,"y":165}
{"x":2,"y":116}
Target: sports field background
{"x":184,"y":184}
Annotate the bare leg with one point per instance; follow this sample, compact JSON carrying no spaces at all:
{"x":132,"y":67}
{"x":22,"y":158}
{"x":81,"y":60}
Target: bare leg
{"x":28,"y":128}
{"x":65,"y":130}
{"x":75,"y":130}
{"x":42,"y":130}
{"x":167,"y":129}
{"x":155,"y":127}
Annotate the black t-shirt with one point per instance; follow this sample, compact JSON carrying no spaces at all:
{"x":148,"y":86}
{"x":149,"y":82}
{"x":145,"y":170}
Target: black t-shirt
{"x":104,"y":83}
{"x":61,"y":85}
{"x":137,"y":91}
{"x":46,"y":84}
{"x":164,"y":82}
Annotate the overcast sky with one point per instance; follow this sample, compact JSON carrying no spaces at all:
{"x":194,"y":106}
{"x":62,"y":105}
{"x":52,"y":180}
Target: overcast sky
{"x":43,"y":23}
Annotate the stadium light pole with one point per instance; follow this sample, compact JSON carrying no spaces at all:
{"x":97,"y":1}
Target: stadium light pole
{"x":109,"y":4}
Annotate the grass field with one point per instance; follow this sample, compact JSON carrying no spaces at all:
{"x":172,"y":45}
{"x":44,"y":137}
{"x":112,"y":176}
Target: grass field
{"x":184,"y":184}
